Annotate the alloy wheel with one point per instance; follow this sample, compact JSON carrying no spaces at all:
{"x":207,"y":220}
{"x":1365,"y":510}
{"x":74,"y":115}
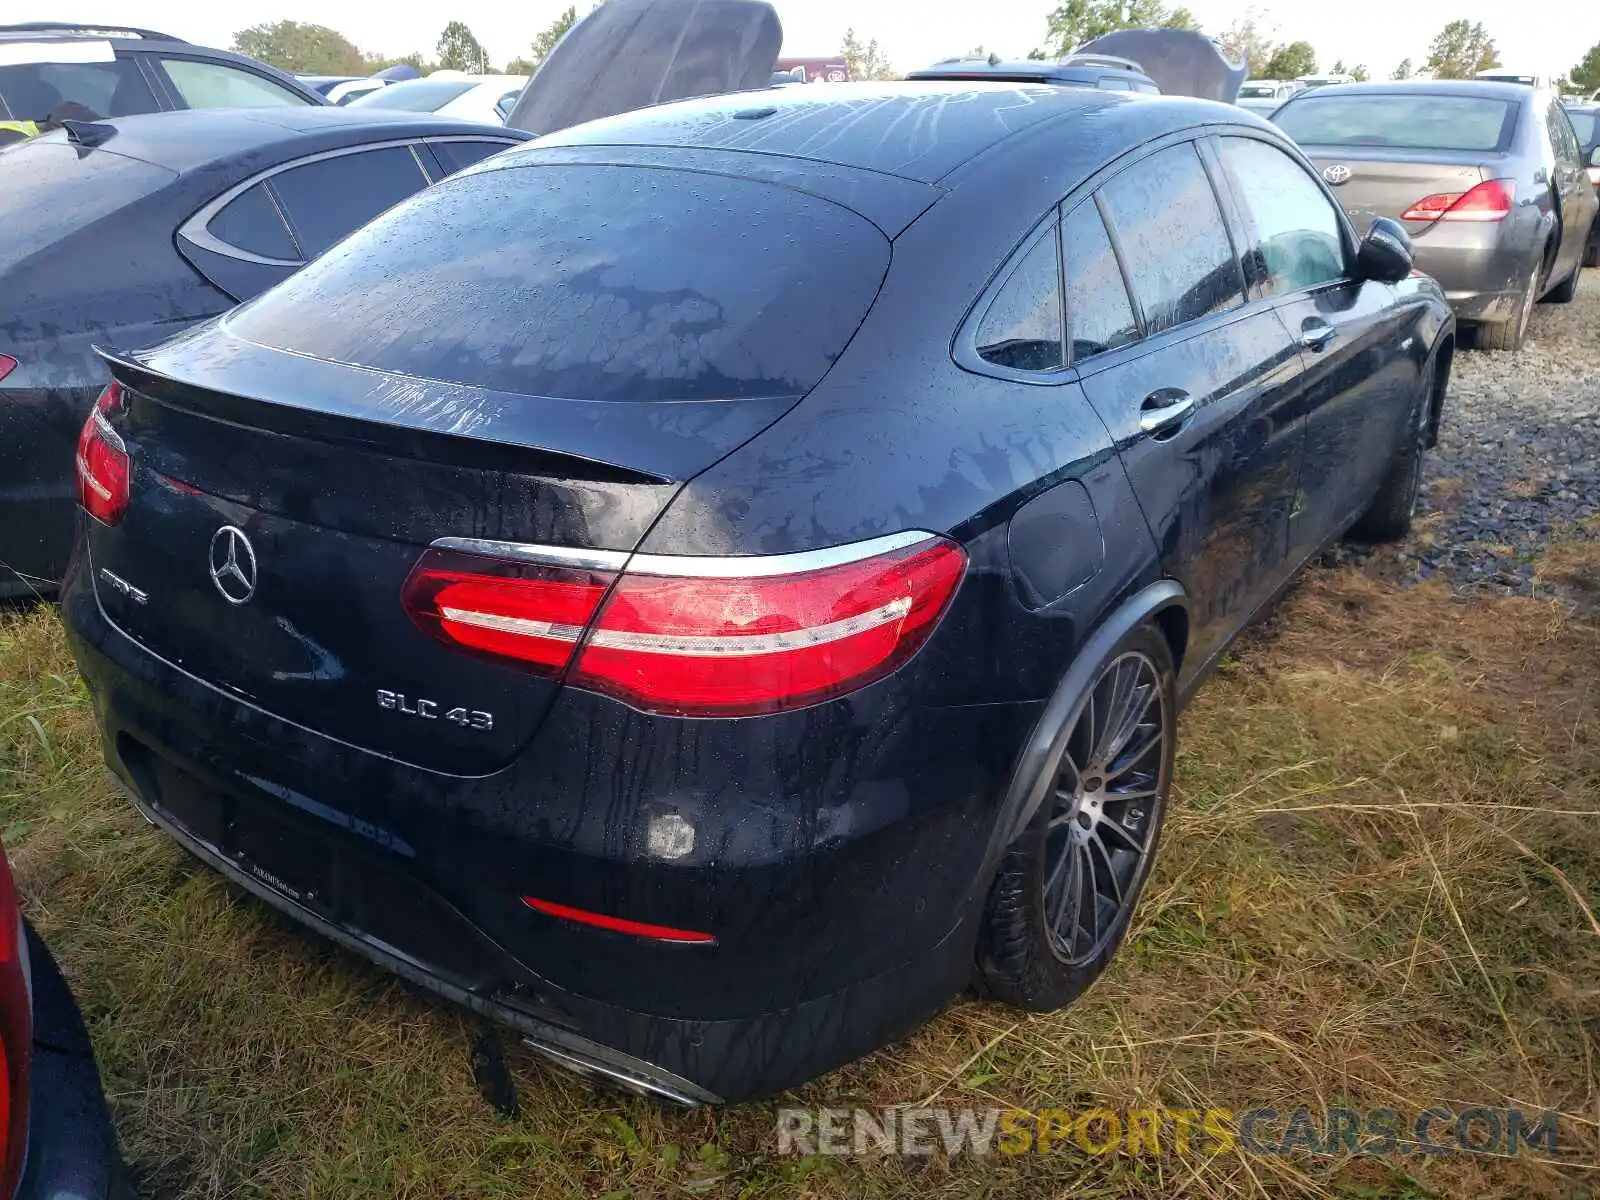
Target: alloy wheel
{"x":1106,"y":808}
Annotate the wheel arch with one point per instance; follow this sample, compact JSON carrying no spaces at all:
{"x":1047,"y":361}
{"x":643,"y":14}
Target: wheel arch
{"x":1163,"y":604}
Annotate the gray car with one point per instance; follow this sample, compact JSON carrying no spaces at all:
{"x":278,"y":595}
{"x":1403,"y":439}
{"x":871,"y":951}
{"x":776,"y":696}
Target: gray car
{"x":1488,"y":178}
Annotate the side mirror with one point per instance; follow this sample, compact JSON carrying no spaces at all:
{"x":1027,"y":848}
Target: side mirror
{"x":1385,"y":253}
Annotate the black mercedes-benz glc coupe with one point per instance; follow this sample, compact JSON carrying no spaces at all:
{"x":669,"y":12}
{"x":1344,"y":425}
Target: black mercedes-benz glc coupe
{"x":707,"y":586}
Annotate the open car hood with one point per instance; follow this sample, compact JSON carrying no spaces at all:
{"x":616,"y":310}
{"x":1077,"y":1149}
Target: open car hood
{"x":1181,"y":61}
{"x":630,"y":54}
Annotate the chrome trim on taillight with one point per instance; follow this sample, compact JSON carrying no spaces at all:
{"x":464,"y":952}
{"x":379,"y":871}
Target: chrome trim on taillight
{"x":689,"y":566}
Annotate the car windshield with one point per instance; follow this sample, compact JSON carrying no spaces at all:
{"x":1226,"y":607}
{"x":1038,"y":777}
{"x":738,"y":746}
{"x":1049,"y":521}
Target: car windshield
{"x":1416,"y":121}
{"x":590,"y":283}
{"x":422,"y":95}
{"x":1583,"y":124}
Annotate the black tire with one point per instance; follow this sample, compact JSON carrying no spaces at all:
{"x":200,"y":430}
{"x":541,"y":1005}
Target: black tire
{"x":1019,"y":959}
{"x":1388,"y":517}
{"x":1567,"y":291}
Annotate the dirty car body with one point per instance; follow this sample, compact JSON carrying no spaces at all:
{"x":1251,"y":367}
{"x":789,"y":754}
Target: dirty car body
{"x":747,"y":347}
{"x":172,"y":219}
{"x":1485,"y":176}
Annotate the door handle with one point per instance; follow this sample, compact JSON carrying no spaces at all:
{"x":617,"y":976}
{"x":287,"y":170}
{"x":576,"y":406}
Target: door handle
{"x":1164,"y":411}
{"x":1315,"y":333}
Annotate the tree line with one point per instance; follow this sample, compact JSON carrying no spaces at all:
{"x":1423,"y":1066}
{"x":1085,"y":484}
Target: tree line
{"x":1459,"y":51}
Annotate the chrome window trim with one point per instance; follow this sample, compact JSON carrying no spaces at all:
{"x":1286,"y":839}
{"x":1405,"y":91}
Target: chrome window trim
{"x":693,"y":566}
{"x":194,"y":230}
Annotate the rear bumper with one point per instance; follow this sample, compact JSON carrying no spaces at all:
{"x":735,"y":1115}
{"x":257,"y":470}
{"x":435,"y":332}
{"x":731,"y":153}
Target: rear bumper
{"x":839,"y":937}
{"x":1483,"y":268}
{"x":72,"y":1151}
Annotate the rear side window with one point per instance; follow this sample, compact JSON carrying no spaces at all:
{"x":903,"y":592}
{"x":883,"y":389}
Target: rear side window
{"x":589,"y":282}
{"x":64,"y":192}
{"x":214,"y":85}
{"x":1583,"y":124}
{"x":107,"y":89}
{"x":1298,"y":243}
{"x":455,"y":156}
{"x":1099,"y":316}
{"x":1564,"y":136}
{"x":327,"y":199}
{"x":1022,"y":329}
{"x":251,"y":222}
{"x":1180,"y":261}
{"x":1413,"y":121}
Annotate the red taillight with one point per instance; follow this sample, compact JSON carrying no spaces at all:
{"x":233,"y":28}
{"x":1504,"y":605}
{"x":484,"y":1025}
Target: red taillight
{"x":103,"y":461}
{"x":1489,"y":201}
{"x":700,"y":637}
{"x":582,"y":916}
{"x":16,"y":1037}
{"x":7,"y":365}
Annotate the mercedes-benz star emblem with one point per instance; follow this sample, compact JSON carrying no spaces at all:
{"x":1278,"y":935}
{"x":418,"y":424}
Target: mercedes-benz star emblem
{"x":1336,"y":175}
{"x":233,"y":564}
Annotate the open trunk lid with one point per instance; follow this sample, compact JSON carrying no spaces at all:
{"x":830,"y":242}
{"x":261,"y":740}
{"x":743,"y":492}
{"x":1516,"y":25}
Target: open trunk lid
{"x":431,"y":378}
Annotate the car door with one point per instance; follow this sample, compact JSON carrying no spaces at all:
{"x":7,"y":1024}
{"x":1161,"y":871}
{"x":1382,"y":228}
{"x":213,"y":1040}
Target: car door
{"x":1358,"y":382}
{"x":260,"y":232}
{"x":1572,"y":187}
{"x":1202,"y":408}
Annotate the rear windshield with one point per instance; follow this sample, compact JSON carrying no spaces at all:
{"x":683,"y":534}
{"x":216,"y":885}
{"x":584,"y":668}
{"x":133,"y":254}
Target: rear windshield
{"x":589,"y":282}
{"x":63,"y":191}
{"x":1257,"y":91}
{"x":423,"y":96}
{"x":1583,"y":124}
{"x":1408,"y":122}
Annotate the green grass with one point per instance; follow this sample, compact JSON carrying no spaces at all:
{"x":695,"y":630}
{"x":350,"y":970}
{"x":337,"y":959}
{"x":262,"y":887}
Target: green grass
{"x":1375,"y":890}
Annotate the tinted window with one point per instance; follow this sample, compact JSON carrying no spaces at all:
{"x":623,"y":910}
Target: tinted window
{"x":1099,"y":316}
{"x":1562,"y":135}
{"x":1413,"y":121}
{"x":1583,"y":124}
{"x":1174,"y":239}
{"x":1298,"y":242}
{"x":591,"y":282}
{"x":64,"y":192}
{"x":107,"y":89}
{"x":251,"y":222}
{"x":1257,"y":91}
{"x":326,"y":199}
{"x":453,"y":156}
{"x":213,"y":85}
{"x":1022,"y":328}
{"x":420,"y":95}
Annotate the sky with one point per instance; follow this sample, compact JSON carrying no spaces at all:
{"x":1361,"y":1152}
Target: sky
{"x":1547,"y":38}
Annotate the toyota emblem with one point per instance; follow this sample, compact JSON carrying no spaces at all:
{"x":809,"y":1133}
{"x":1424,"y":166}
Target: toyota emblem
{"x":233,"y":564}
{"x":1337,"y":175}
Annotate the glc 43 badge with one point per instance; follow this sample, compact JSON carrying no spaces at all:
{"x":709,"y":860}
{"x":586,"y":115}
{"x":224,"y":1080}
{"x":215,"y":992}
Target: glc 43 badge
{"x":432,"y":710}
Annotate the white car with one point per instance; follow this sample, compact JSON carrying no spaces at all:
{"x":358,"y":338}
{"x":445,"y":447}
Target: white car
{"x":1264,"y":95}
{"x":482,"y":98}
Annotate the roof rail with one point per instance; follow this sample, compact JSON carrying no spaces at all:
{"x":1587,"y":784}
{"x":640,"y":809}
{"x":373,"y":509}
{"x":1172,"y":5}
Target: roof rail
{"x":111,"y":28}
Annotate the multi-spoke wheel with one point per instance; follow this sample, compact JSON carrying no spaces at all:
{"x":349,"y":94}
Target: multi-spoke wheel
{"x":1106,"y":805}
{"x":1065,"y":891}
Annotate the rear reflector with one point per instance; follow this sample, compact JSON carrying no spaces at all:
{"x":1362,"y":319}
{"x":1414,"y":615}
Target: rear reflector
{"x":7,"y":365}
{"x":660,"y":933}
{"x":698,"y":637}
{"x":103,"y":460}
{"x":1489,"y":201}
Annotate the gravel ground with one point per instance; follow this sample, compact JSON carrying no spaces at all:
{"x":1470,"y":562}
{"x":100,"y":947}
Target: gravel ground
{"x":1518,"y":458}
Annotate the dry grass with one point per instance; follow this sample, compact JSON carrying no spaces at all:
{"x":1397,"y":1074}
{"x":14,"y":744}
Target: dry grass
{"x":1376,"y":890}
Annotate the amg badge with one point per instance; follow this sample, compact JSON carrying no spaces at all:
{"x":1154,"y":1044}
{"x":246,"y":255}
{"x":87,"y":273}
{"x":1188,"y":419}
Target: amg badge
{"x":432,"y":710}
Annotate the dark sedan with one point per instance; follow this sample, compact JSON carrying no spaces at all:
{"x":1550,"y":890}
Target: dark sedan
{"x":705,"y":586}
{"x":1488,"y":179}
{"x":123,"y":232}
